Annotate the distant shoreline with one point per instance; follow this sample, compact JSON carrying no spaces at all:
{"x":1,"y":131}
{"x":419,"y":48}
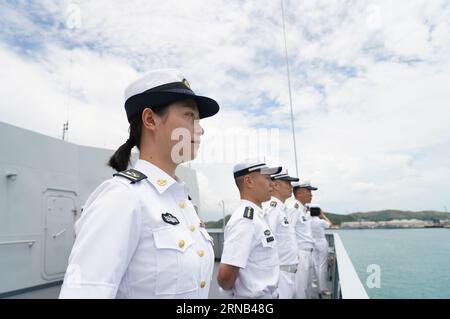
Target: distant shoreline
{"x":385,"y":219}
{"x":374,"y":228}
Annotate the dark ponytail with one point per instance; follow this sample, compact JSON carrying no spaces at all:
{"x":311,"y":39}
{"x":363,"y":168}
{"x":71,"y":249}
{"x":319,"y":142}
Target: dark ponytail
{"x":121,"y":158}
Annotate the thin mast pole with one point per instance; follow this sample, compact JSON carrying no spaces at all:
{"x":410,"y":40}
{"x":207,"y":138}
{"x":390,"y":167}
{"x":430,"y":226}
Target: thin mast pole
{"x":289,"y":86}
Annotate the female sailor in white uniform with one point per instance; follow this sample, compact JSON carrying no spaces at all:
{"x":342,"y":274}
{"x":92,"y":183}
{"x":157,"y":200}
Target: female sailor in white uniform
{"x":139,"y":236}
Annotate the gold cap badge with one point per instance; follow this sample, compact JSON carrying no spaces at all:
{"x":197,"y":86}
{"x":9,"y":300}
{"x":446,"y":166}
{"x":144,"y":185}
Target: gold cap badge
{"x":186,"y":82}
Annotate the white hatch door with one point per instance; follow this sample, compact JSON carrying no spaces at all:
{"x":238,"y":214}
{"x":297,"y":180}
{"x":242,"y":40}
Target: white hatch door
{"x":59,"y":233}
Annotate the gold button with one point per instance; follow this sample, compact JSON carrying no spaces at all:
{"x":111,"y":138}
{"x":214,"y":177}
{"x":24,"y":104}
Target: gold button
{"x":181,"y":243}
{"x":161,"y":182}
{"x":192,"y":228}
{"x":181,"y":204}
{"x":202,"y":284}
{"x":201,"y":253}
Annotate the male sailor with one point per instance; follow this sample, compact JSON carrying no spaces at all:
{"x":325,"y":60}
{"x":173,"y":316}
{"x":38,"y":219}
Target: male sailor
{"x":249,"y":265}
{"x":301,"y":222}
{"x":275,"y":213}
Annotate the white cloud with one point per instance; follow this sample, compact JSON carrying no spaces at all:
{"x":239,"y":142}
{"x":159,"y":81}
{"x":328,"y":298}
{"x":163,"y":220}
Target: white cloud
{"x":369,"y":78}
{"x":48,"y":90}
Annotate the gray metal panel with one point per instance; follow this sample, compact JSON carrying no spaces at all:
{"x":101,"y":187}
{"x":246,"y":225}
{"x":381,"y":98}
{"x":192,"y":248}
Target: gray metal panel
{"x":31,"y":164}
{"x":92,"y":169}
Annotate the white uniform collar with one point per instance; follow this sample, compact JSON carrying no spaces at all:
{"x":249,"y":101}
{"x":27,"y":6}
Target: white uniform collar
{"x":157,"y":177}
{"x":258,"y":209}
{"x":300,"y":205}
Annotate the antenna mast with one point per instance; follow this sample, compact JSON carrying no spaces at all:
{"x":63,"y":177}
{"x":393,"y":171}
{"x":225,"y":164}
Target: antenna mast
{"x":289,"y":86}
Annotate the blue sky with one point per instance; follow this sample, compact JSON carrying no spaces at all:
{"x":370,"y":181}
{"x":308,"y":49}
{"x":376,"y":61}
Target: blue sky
{"x":369,"y":82}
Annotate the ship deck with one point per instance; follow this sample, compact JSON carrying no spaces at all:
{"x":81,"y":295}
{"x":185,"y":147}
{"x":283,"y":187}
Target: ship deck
{"x":53,"y":291}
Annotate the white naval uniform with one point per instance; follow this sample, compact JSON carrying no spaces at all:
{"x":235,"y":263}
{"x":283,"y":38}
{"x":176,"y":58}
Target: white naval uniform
{"x":140,"y":240}
{"x":276,"y":216}
{"x":305,"y":243}
{"x":320,"y":253}
{"x":250,"y":245}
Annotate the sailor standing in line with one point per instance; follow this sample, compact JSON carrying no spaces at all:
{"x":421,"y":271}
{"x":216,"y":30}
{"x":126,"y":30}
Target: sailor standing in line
{"x":305,"y":242}
{"x":139,"y":236}
{"x":275,"y":214}
{"x":319,"y":222}
{"x":249,"y":265}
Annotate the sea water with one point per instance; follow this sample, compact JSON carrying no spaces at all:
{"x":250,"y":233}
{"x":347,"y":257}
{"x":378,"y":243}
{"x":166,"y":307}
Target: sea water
{"x":410,"y":263}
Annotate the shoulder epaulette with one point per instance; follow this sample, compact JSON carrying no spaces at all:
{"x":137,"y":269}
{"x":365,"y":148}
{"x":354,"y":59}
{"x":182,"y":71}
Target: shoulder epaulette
{"x":249,"y":212}
{"x":273,"y":204}
{"x":133,"y":175}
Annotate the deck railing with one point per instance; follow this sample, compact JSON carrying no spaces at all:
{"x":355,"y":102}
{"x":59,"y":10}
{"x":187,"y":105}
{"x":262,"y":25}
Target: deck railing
{"x":345,"y":283}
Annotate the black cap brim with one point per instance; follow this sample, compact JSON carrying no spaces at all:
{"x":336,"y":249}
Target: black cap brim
{"x":306,"y":187}
{"x":206,"y":106}
{"x":288,"y":179}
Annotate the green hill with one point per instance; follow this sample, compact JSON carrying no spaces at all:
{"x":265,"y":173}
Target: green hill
{"x":391,"y":214}
{"x":376,"y":216}
{"x":387,"y":215}
{"x":217,"y":224}
{"x":337,"y":219}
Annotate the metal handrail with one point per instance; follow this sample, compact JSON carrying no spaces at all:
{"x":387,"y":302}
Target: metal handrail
{"x":346,"y":283}
{"x":18,"y":242}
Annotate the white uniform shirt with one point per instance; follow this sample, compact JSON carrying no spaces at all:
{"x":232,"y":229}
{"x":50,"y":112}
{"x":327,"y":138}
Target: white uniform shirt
{"x":318,"y":227}
{"x":276,"y":216}
{"x":250,"y":245}
{"x":301,"y":221}
{"x":140,"y":240}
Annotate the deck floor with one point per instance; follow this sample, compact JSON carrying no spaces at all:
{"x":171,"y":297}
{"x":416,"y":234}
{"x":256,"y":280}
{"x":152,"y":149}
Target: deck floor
{"x":53,"y":292}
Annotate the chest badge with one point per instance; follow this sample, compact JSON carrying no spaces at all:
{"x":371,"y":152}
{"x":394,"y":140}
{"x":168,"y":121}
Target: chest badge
{"x":270,"y":239}
{"x":170,"y":219}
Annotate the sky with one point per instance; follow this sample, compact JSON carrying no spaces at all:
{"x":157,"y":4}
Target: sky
{"x":370,"y":84}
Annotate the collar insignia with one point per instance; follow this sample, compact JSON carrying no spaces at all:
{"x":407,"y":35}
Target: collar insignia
{"x":133,"y":175}
{"x":249,"y":212}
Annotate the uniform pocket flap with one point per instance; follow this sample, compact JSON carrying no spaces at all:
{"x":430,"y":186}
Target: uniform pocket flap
{"x":172,"y":237}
